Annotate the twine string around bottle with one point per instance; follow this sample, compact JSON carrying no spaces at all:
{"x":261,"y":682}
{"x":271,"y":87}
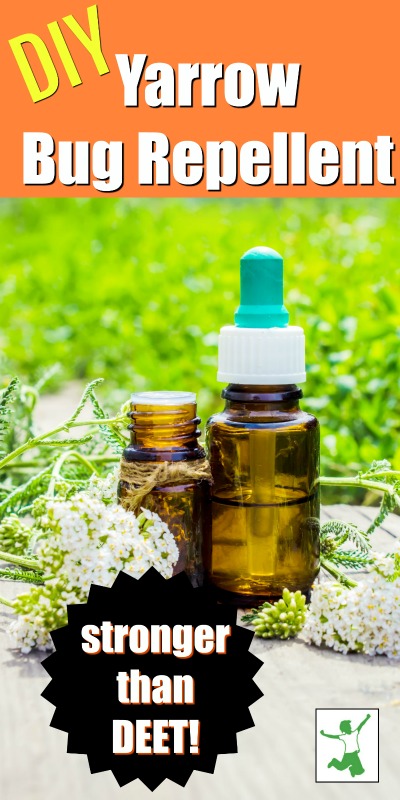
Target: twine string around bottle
{"x":143,"y":477}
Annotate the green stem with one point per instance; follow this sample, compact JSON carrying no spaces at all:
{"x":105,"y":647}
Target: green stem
{"x":20,"y":561}
{"x":388,"y":472}
{"x":363,"y":483}
{"x":25,"y":465}
{"x":80,"y":457}
{"x":5,"y":602}
{"x":336,"y":573}
{"x":64,"y":428}
{"x":56,"y":473}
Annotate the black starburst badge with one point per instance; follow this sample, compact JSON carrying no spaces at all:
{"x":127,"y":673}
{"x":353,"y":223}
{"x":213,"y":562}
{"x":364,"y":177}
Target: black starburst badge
{"x":151,"y":679}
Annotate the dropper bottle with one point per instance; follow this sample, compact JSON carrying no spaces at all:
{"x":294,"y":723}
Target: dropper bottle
{"x":263,"y":449}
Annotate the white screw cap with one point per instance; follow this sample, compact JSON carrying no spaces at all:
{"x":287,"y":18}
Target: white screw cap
{"x":261,"y":356}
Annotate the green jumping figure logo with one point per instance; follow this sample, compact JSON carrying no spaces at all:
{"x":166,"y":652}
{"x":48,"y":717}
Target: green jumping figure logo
{"x":349,"y":737}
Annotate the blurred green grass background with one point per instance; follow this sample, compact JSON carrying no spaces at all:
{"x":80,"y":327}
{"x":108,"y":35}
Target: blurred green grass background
{"x":136,"y":291}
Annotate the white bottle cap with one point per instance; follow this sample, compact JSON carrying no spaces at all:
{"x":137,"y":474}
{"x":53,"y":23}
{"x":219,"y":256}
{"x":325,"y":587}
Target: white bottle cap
{"x":162,"y":398}
{"x":261,"y":356}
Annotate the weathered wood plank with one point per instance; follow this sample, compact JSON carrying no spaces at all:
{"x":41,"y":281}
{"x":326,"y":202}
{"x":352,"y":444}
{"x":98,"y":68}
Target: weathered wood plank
{"x":325,"y":515}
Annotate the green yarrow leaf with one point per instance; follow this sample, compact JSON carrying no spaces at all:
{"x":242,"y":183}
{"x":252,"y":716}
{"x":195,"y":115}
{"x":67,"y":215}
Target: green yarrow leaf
{"x":22,"y":495}
{"x":7,"y":398}
{"x":84,"y":399}
{"x":71,"y":443}
{"x":110,"y":434}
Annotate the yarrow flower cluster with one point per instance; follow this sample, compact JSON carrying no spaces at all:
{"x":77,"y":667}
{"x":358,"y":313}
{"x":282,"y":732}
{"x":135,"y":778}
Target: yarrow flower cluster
{"x":105,"y":489}
{"x":363,"y":619}
{"x":86,"y":539}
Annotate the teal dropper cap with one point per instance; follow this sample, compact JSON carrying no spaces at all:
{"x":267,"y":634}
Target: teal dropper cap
{"x":261,"y":290}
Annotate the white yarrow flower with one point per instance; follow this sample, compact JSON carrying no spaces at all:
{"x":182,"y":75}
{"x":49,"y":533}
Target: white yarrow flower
{"x":87,"y":539}
{"x":364,"y":619}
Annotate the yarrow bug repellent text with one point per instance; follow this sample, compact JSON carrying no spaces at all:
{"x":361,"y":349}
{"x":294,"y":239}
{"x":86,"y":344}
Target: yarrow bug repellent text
{"x":278,"y":154}
{"x":73,"y":163}
{"x":287,"y":160}
{"x":238,"y":83}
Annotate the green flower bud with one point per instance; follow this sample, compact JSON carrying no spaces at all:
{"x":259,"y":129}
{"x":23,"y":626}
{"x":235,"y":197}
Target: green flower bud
{"x":283,"y":619}
{"x":14,"y":535}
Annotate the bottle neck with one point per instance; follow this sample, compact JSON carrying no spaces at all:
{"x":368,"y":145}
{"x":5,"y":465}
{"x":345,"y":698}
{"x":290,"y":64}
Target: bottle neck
{"x":163,"y":432}
{"x":263,"y":397}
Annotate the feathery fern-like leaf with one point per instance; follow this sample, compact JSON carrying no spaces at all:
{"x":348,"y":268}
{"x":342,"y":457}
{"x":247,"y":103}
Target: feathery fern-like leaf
{"x":376,"y":466}
{"x":388,"y":504}
{"x":350,"y":559}
{"x":24,"y":494}
{"x":22,"y":575}
{"x":110,"y":434}
{"x":67,"y":442}
{"x":335,"y":532}
{"x":6,"y":399}
{"x":85,"y":397}
{"x":48,"y":374}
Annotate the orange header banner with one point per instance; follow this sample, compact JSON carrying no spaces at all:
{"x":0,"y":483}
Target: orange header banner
{"x":200,"y":100}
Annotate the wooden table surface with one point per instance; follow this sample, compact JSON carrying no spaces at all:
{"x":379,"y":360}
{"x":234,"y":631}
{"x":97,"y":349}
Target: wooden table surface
{"x":276,"y":757}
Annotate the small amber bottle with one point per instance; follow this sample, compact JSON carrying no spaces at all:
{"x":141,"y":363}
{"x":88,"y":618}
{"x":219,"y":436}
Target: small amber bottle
{"x":164,"y":434}
{"x":263,"y":449}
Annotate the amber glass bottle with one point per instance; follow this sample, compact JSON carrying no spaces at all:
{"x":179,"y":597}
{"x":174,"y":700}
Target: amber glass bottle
{"x":164,"y":429}
{"x":264,"y":454}
{"x":263,"y":449}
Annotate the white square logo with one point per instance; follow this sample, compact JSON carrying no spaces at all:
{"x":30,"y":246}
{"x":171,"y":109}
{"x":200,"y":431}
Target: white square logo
{"x":347,"y":745}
